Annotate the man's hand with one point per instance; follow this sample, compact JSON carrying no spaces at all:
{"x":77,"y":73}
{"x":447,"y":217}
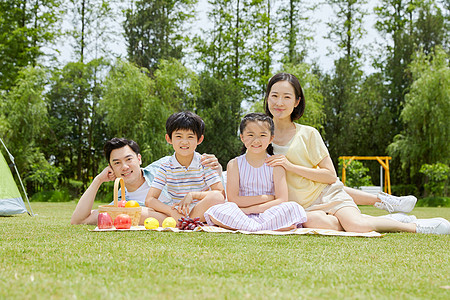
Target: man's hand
{"x":211,"y":161}
{"x":106,"y":175}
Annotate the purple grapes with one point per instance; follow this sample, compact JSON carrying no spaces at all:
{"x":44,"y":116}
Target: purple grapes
{"x":187,"y":223}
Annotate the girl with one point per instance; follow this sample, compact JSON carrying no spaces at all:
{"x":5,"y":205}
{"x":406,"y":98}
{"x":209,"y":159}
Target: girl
{"x":257,"y":193}
{"x":310,"y":174}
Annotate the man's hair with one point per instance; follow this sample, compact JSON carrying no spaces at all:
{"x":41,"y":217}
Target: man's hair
{"x":117,"y":143}
{"x":185,"y":120}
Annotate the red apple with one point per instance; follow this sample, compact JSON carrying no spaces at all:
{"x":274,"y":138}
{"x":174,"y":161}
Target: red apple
{"x":122,"y":203}
{"x":104,"y":221}
{"x":122,"y":221}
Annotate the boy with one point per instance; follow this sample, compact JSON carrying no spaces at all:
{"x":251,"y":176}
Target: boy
{"x":192,"y":187}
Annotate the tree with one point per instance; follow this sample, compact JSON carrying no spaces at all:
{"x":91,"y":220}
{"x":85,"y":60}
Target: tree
{"x":77,"y":133}
{"x":222,"y":115}
{"x":426,"y":133}
{"x":91,"y":20}
{"x":395,"y":20}
{"x":225,"y":50}
{"x":342,"y":88}
{"x":25,"y":27}
{"x":155,"y":30}
{"x":262,"y":42}
{"x":24,"y":115}
{"x":132,"y":109}
{"x":296,"y":26}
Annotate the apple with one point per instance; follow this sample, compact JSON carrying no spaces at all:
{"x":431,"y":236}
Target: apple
{"x":122,"y":221}
{"x":104,"y":221}
{"x":122,"y":203}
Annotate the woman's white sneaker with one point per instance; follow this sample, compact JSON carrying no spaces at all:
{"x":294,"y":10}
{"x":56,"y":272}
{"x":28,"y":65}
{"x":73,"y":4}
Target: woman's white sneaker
{"x":401,"y":217}
{"x":432,"y":226}
{"x":404,"y":204}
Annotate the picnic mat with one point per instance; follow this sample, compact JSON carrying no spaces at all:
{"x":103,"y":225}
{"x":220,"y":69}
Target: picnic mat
{"x":215,"y":229}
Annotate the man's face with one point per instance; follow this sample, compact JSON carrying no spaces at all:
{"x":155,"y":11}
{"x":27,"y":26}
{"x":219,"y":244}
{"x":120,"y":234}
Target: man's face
{"x":126,"y":164}
{"x":184,"y":142}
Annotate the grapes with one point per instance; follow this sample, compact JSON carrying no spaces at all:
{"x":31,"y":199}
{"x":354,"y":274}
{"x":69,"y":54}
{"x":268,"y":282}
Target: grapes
{"x":187,"y":223}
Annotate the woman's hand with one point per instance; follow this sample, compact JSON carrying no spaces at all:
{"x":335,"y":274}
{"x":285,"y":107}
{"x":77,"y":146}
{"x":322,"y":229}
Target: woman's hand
{"x":279,"y":160}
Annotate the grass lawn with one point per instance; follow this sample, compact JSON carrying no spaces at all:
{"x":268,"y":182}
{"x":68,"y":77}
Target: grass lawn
{"x":47,"y":258}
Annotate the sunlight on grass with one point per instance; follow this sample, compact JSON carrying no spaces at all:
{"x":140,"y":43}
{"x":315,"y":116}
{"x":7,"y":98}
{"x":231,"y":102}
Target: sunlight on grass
{"x":45,"y":257}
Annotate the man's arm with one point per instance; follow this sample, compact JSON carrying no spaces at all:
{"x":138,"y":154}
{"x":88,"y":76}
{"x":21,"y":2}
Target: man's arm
{"x":83,"y":212}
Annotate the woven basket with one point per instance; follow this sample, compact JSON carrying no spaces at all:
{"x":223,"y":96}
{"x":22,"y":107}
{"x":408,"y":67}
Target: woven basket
{"x":114,"y":210}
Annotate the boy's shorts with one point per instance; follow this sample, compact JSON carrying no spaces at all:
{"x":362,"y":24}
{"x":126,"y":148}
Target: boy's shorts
{"x":332,"y":198}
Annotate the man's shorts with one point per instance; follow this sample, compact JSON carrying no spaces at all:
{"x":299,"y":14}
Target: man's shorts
{"x":332,"y":198}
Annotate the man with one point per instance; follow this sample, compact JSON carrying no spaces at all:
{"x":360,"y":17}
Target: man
{"x":124,"y":161}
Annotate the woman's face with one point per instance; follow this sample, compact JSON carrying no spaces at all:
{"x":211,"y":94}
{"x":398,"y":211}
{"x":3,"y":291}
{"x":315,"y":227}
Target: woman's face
{"x":281,"y":100}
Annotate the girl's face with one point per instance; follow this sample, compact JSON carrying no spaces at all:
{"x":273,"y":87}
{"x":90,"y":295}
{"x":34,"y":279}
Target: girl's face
{"x":256,"y":136}
{"x":281,"y":100}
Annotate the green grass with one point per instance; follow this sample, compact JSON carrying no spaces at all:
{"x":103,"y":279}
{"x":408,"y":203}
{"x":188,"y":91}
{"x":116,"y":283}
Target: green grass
{"x":47,"y":258}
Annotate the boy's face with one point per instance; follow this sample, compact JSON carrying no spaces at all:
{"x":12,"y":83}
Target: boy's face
{"x":184,"y":142}
{"x":126,"y":164}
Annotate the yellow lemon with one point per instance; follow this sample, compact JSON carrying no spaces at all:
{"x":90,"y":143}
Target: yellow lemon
{"x":151,"y":223}
{"x":131,"y":203}
{"x":169,"y":222}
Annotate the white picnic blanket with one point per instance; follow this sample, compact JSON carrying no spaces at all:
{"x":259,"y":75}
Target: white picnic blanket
{"x":215,"y":229}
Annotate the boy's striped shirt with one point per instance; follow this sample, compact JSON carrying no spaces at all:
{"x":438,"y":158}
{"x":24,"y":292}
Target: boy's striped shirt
{"x":181,"y":180}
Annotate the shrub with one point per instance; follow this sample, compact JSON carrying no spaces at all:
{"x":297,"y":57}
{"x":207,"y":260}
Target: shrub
{"x":404,"y":189}
{"x":52,"y":196}
{"x":356,"y":174}
{"x":434,"y":202}
{"x":436,"y":179}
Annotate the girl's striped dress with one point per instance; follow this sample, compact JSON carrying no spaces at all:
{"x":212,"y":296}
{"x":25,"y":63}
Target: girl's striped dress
{"x":256,"y":182}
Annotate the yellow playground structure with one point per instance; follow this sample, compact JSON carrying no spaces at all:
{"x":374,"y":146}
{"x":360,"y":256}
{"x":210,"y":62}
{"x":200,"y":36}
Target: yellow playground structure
{"x":384,"y":162}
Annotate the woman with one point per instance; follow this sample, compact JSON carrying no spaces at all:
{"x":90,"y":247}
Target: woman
{"x":310,"y":174}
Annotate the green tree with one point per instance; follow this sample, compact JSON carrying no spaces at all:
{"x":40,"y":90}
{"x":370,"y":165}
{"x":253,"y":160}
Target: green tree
{"x":396,"y":22}
{"x":341,"y":89}
{"x":426,"y":133}
{"x":176,"y":86}
{"x":25,"y":27}
{"x":24,"y":115}
{"x":132,"y":109}
{"x":155,"y":30}
{"x":77,"y":132}
{"x":225,"y":50}
{"x":263,"y":39}
{"x":221,"y":112}
{"x":91,"y":28}
{"x":296,"y":25}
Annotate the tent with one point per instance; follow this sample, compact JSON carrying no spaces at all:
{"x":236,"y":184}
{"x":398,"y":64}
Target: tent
{"x":11,"y":201}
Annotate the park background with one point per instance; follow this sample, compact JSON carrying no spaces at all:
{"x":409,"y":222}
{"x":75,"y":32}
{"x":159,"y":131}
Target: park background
{"x":74,"y":73}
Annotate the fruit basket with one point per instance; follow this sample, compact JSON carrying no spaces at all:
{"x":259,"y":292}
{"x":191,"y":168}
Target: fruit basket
{"x":115,"y":210}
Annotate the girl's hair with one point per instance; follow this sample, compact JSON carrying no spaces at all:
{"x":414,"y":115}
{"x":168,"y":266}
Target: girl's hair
{"x":257,"y":117}
{"x":298,"y":111}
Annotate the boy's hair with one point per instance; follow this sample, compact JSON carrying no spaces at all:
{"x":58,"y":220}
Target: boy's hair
{"x":257,"y":117}
{"x":185,"y":120}
{"x":117,"y":143}
{"x":298,"y":111}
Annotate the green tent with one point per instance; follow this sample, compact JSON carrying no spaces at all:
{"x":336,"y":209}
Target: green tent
{"x":11,"y":202}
